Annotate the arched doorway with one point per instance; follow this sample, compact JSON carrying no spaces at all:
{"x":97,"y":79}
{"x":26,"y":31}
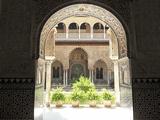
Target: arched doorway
{"x":100,"y":73}
{"x":78,"y":64}
{"x":57,"y":73}
{"x":117,"y":44}
{"x":76,"y":71}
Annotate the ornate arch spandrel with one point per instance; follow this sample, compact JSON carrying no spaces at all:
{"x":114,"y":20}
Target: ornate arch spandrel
{"x":49,"y":45}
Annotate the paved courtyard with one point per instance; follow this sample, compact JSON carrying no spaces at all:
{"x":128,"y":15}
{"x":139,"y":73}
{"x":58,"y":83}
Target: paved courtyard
{"x":83,"y":113}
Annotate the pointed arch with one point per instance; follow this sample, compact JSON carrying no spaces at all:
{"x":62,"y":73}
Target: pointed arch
{"x":78,"y":64}
{"x":100,"y":73}
{"x":57,"y":73}
{"x":79,"y":50}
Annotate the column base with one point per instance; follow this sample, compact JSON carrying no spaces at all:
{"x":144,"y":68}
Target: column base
{"x":117,"y":95}
{"x":47,"y":99}
{"x":48,"y":104}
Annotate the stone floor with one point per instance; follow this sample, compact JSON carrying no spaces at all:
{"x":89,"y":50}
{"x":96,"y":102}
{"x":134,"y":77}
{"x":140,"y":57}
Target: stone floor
{"x":83,"y":113}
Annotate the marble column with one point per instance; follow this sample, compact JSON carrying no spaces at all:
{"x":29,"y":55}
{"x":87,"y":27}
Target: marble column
{"x":116,"y":82}
{"x":64,"y":78}
{"x":91,"y":32}
{"x":67,"y":32}
{"x":79,"y":35}
{"x":48,"y":80}
{"x":109,"y":77}
{"x":92,"y":76}
{"x":44,"y":72}
{"x":104,"y":32}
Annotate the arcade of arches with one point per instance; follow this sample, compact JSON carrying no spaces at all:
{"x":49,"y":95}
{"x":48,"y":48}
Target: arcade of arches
{"x":82,"y":44}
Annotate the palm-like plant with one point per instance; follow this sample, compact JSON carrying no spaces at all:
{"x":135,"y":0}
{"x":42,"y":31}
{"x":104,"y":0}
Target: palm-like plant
{"x":83,"y":84}
{"x":107,"y":97}
{"x":77,"y":97}
{"x":58,"y":97}
{"x":92,"y":96}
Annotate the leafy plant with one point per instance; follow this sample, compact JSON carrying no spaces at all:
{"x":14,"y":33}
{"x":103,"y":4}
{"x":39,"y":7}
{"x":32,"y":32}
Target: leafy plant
{"x":92,"y":95}
{"x":58,"y":95}
{"x":67,"y":98}
{"x":107,"y":95}
{"x":83,"y":84}
{"x":113,"y":99}
{"x":78,"y":95}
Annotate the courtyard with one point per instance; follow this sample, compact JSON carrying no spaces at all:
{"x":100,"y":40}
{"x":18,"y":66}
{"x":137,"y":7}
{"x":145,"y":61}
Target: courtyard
{"x":89,"y":45}
{"x":84,"y":113}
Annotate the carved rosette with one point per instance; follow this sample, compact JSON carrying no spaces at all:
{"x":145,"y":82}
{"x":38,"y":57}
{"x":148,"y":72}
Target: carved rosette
{"x":86,"y":10}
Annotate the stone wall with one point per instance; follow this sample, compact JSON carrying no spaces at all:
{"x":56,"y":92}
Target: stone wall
{"x":94,"y":52}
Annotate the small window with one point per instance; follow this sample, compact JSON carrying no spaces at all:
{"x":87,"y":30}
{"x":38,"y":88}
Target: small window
{"x":85,"y":28}
{"x":56,"y":72}
{"x":98,"y":26}
{"x":99,"y":73}
{"x":73,"y":26}
{"x":61,"y":28}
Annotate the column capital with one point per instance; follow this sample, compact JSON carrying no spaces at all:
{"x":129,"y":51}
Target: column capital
{"x":90,"y":68}
{"x":115,"y":61}
{"x":49,"y":62}
{"x":114,"y":58}
{"x":49,"y":58}
{"x":65,"y":68}
{"x":40,"y":67}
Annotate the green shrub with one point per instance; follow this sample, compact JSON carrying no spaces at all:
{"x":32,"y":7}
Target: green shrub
{"x":83,"y":84}
{"x":113,"y":99}
{"x":92,"y":95}
{"x":58,"y":95}
{"x":67,"y":98}
{"x":78,"y":95}
{"x":106,"y":95}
